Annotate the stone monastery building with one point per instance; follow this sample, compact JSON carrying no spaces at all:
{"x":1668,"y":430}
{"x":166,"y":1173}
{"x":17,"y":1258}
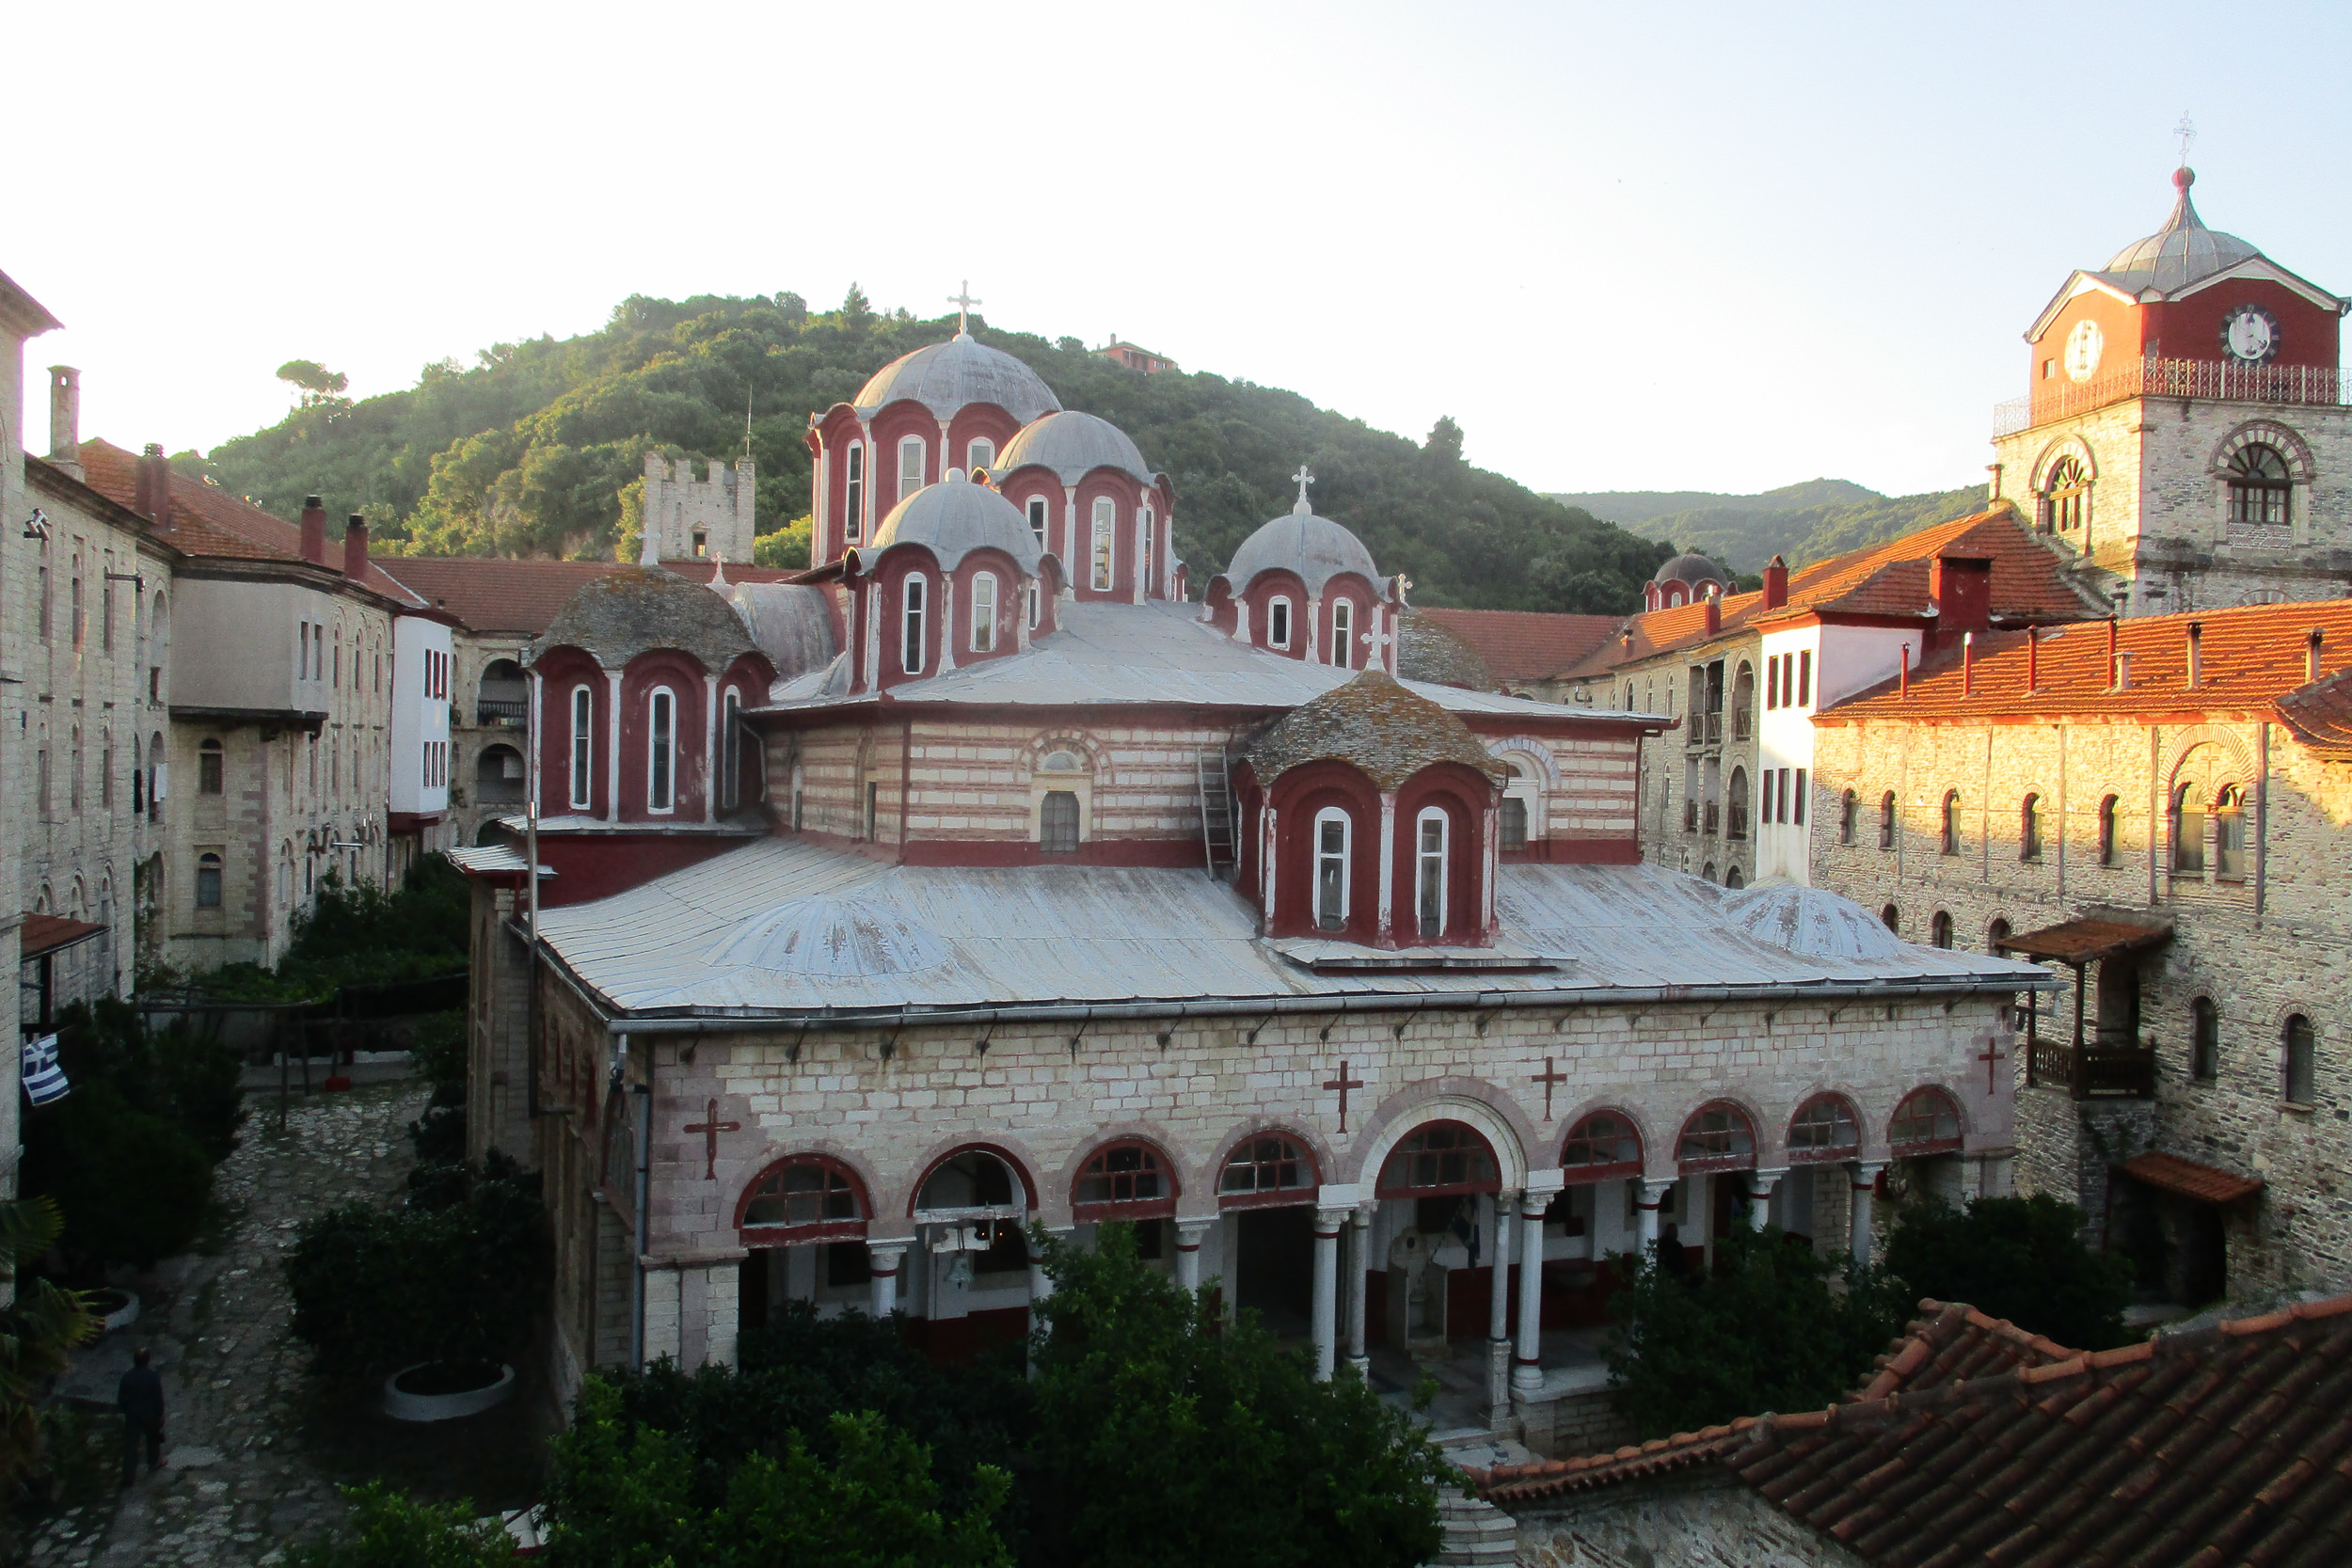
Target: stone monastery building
{"x":975,"y":876}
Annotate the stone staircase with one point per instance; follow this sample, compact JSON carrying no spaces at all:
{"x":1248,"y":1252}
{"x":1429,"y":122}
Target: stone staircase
{"x":1477,"y":1534}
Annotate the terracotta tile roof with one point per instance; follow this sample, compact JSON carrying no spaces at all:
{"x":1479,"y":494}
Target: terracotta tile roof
{"x":207,"y":520}
{"x":46,"y":933}
{"x":523,"y":596}
{"x":2029,"y":582}
{"x":2251,"y":658}
{"x":1976,"y":1444}
{"x":2188,"y":1177}
{"x":1428,"y":650}
{"x":2222,"y":1446}
{"x":1527,"y":644}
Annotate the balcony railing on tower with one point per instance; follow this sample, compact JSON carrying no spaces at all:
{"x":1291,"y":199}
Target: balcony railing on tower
{"x":2219,"y":379}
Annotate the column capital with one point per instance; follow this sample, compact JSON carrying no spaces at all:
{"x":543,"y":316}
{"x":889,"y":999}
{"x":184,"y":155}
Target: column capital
{"x":1866,"y":1172}
{"x":883,"y":1256}
{"x":1548,"y":1182}
{"x":1329,"y":1220}
{"x":1654,"y":1190}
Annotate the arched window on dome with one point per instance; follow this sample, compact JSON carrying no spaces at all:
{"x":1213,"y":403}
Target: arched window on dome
{"x":660,"y":749}
{"x":983,"y":613}
{"x":1431,"y":832}
{"x":1144,"y":556}
{"x":911,"y":624}
{"x":1037,"y":526}
{"x":2262,"y":489}
{"x":980,"y":454}
{"x":730,"y":748}
{"x":1333,"y":830}
{"x":853,"y":493}
{"x":1105,"y":541}
{"x":1343,"y":627}
{"x":1278,"y":623}
{"x":912,"y":454}
{"x":1926,"y":1122}
{"x":2069,"y":494}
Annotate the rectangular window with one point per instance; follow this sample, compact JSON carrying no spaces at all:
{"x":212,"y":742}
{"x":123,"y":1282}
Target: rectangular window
{"x":1277,"y":624}
{"x":582,"y":747}
{"x":1783,"y":796}
{"x":911,"y":627}
{"x":1058,"y":822}
{"x":911,"y":455}
{"x":664,"y":728}
{"x":853,"y":494}
{"x":1800,"y":800}
{"x":107,"y":609}
{"x":984,"y":613}
{"x":1106,"y":519}
{"x":1432,"y":878}
{"x":79,"y":624}
{"x":208,"y":881}
{"x":731,"y":749}
{"x":1037,"y":519}
{"x":1767,"y":815}
{"x":1804,"y":677}
{"x":1343,"y":624}
{"x":1512,"y":823}
{"x":45,"y":632}
{"x":1771,"y":683}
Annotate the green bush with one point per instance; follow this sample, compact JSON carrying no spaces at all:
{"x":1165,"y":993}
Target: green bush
{"x":2022,"y":1259}
{"x":440,"y":1048}
{"x":363,"y":935}
{"x":388,"y":1529}
{"x":133,"y":1187}
{"x":187,"y":1078}
{"x":440,"y":1136}
{"x":458,"y":1275}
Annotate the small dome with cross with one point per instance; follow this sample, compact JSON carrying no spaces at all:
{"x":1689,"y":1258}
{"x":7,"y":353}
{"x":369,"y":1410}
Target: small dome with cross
{"x":1315,"y":549}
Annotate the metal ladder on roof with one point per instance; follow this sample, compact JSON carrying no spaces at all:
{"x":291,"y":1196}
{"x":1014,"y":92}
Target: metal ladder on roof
{"x":1217,"y":810}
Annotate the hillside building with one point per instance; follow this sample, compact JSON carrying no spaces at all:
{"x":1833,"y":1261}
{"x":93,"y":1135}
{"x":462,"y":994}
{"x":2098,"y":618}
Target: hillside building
{"x":685,"y":518}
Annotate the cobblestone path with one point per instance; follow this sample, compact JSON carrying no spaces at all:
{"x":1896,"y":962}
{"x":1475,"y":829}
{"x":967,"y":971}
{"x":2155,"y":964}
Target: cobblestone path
{"x":238,"y":1482}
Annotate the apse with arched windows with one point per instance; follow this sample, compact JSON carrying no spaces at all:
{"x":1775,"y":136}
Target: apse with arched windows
{"x":640,"y":675}
{"x":1088,"y":499}
{"x":953,"y":577}
{"x":1323,"y":787}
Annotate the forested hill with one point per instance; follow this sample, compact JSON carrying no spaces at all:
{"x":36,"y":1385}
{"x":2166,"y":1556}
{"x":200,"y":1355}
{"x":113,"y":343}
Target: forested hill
{"x":537,"y":450}
{"x":1803,"y":523}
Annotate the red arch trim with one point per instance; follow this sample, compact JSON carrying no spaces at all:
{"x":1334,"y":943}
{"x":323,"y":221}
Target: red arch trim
{"x":1824,"y":1156}
{"x":1011,"y":1161}
{"x":1717,"y":1161}
{"x":824,"y":1231}
{"x":1161,"y":1206}
{"x":1938,"y":1098}
{"x":1491,"y":1182}
{"x":1600,"y":1171}
{"x":1279,"y":1197}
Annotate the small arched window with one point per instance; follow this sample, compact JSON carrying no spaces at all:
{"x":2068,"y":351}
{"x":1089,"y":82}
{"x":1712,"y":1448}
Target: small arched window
{"x":1512,"y":816}
{"x":2189,"y":832}
{"x":2107,"y":844}
{"x":1334,"y":830}
{"x":800,"y":796}
{"x":1601,"y":1147}
{"x":1037,"y":519}
{"x":1105,"y":539}
{"x":1951,"y":822}
{"x":2301,"y":1067}
{"x":2069,"y":494}
{"x":209,"y":758}
{"x":983,"y":613}
{"x":1734,"y":879}
{"x":1736,"y":817}
{"x":583,"y":748}
{"x":2261,"y":486}
{"x":2029,"y":828}
{"x":730,"y":747}
{"x":1278,"y":623}
{"x":1887,"y":820}
{"x":208,"y":881}
{"x":808,"y":1197}
{"x":980,"y":454}
{"x":1926,"y":1122}
{"x":660,"y":749}
{"x":1717,"y":1137}
{"x":1996,"y":938}
{"x":1343,"y":625}
{"x":1894,"y":919}
{"x":1823,"y":1129}
{"x":1058,"y":822}
{"x":1442,"y":1157}
{"x":1431,"y":832}
{"x":911,"y":597}
{"x":1940,"y":928}
{"x":853,"y":493}
{"x":911,"y":456}
{"x":1849,"y":813}
{"x":1265,"y":1169}
{"x":1125,"y":1180}
{"x":2204,"y":1040}
{"x":2229,"y":835}
{"x":1707,"y":872}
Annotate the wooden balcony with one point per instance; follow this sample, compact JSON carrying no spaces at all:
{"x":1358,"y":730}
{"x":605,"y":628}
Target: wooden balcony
{"x":2092,"y":1072}
{"x":2219,"y":380}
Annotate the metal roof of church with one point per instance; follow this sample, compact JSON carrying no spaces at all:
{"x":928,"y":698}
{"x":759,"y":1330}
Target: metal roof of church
{"x":786,"y":928}
{"x":2182,"y":252}
{"x":945,"y":378}
{"x":1159,"y":651}
{"x":1073,"y":445}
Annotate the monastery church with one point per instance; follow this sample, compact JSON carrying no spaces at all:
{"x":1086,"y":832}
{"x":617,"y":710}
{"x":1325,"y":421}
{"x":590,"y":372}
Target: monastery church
{"x":979,"y":875}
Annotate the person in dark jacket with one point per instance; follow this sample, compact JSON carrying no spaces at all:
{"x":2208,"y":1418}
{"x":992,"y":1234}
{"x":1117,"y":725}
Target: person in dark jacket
{"x":140,"y":1396}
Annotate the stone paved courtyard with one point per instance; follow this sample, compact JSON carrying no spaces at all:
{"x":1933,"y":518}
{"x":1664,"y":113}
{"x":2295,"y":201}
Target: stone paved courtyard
{"x":255,"y":1446}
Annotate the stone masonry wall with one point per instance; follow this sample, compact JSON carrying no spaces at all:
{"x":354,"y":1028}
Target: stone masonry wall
{"x":2276,"y":944}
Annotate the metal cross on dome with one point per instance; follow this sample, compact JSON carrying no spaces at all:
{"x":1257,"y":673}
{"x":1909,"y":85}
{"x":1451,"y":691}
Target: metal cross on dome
{"x":964,"y":303}
{"x":1304,"y":478}
{"x":2187,"y":130}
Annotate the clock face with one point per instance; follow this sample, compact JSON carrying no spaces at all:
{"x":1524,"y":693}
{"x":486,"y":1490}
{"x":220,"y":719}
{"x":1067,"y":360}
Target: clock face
{"x":2082,"y":350}
{"x":2250,"y":334}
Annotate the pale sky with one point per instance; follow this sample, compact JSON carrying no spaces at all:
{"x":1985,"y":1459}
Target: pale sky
{"x":1627,"y":246}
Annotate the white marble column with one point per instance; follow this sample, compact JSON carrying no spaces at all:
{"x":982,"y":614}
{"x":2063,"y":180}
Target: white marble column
{"x":1865,"y":1176}
{"x":1645,"y":1210}
{"x":1188,"y":1252}
{"x":1527,"y":1370}
{"x":1499,"y":1315}
{"x":1326,"y":1299}
{"x":883,"y":1257}
{"x":1760,"y":1185}
{"x":1359,"y":1246}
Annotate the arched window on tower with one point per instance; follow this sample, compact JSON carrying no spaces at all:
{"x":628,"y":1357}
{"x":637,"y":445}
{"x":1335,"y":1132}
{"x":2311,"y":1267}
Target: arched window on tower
{"x":2299,"y":1068}
{"x":2068,"y":492}
{"x":2204,"y":1047}
{"x":983,"y":613}
{"x":910,"y":456}
{"x":853,"y":493}
{"x":1342,"y":625}
{"x":1430,"y":833}
{"x":1887,"y":820}
{"x":2107,"y":844}
{"x":1951,"y":822}
{"x":2029,"y":828}
{"x":2189,"y":832}
{"x":1333,"y":829}
{"x":583,"y":747}
{"x":2261,"y":487}
{"x":1037,"y":520}
{"x":1278,"y":623}
{"x":1849,"y":812}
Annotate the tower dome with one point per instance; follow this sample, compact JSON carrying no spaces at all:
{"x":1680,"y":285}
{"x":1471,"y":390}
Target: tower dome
{"x":955,"y":517}
{"x":1073,"y":445}
{"x":945,"y":378}
{"x":1317,"y":549}
{"x":2182,"y":252}
{"x":1693,"y":569}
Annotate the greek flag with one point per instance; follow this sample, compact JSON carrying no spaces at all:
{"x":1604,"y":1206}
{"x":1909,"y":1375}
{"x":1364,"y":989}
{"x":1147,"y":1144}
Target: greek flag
{"x":44,"y":1080}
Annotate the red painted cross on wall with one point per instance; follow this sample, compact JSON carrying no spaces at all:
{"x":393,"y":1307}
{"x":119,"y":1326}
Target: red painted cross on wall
{"x":710,"y":1127}
{"x":1547,"y":1078}
{"x":1993,"y":1053}
{"x":1343,"y":1083}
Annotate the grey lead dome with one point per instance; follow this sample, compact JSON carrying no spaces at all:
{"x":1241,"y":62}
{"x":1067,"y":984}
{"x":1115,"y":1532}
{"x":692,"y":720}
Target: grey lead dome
{"x":1317,"y":549}
{"x":947,"y":377}
{"x":955,"y":517}
{"x":1692,"y":568}
{"x":1073,"y":445}
{"x":2182,"y":252}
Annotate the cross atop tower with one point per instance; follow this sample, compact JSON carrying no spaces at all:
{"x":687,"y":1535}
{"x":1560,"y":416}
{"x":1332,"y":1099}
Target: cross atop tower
{"x":964,"y":303}
{"x":2187,"y":130}
{"x":1304,"y":478}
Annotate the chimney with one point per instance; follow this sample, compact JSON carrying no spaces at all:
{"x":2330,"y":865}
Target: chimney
{"x":1714,"y":613}
{"x":65,"y":418}
{"x":1967,"y":663}
{"x":313,"y":531}
{"x":1992,"y":485}
{"x":2033,"y":660}
{"x":1962,"y":589}
{"x":2196,"y":647}
{"x":1775,"y":584}
{"x":2311,"y":652}
{"x":152,"y":497}
{"x":1906,"y":677}
{"x":355,"y":547}
{"x":2112,"y":653}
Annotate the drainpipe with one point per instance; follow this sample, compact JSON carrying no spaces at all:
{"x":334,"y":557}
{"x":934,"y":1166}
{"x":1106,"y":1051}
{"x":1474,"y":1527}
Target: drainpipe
{"x":644,"y":1209}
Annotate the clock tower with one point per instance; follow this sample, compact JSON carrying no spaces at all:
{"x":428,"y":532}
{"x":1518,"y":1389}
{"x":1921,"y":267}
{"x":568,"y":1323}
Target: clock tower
{"x":2184,"y":434}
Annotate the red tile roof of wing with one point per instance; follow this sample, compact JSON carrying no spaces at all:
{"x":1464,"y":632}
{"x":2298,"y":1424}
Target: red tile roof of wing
{"x":207,"y":520}
{"x":1890,"y":578}
{"x":2251,"y":658}
{"x":523,"y":596}
{"x":1527,"y":644}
